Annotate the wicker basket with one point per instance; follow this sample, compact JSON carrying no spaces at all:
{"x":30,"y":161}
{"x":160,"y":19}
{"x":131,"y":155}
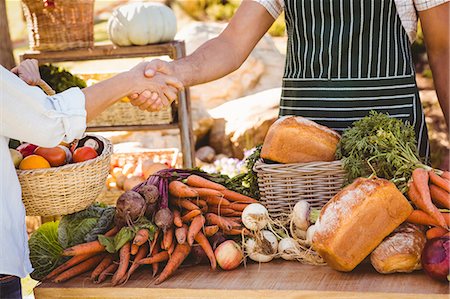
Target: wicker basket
{"x":66,"y":189}
{"x":110,"y":195}
{"x":55,"y":25}
{"x":124,"y":114}
{"x":281,"y":186}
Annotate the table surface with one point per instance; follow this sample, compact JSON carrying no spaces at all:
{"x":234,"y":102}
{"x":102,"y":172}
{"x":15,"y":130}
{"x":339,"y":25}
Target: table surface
{"x":278,"y":279}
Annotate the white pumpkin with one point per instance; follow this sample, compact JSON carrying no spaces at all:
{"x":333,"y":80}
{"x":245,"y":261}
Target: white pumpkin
{"x":142,"y":24}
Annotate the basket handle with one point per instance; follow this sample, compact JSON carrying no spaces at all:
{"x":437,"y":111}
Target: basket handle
{"x":47,"y":89}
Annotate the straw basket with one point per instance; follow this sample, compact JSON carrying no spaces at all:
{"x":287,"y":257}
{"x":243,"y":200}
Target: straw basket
{"x":110,"y":195}
{"x":124,"y":114}
{"x":55,"y":25}
{"x":281,"y":186}
{"x":66,"y":189}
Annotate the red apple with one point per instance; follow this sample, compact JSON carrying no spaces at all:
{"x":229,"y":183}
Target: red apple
{"x":26,"y":149}
{"x":229,"y":255}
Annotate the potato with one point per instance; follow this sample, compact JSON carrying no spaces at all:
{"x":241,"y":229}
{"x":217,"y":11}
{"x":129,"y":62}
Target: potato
{"x":120,"y":180}
{"x":131,"y":182}
{"x":149,"y":168}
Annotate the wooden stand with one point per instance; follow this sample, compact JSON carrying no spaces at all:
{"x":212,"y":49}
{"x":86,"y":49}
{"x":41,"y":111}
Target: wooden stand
{"x":174,"y":49}
{"x":277,"y":279}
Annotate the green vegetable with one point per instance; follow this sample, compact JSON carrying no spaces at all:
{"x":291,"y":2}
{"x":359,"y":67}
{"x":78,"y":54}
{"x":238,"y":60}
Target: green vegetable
{"x":59,"y":79}
{"x":314,"y":215}
{"x":45,"y":250}
{"x":84,"y":226}
{"x":126,"y":234}
{"x":382,"y":146}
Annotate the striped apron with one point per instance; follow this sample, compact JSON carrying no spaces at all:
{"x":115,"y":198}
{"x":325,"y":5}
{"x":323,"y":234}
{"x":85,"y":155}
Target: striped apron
{"x":345,"y":58}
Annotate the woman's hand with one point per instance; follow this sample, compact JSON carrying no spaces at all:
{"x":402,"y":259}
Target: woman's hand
{"x":28,"y":71}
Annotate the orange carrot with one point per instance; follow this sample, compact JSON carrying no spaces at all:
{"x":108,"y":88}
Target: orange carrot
{"x":235,"y":232}
{"x":134,"y":249}
{"x":167,"y":239}
{"x":184,"y":203}
{"x":84,"y":248}
{"x":220,"y":210}
{"x":101,"y":266}
{"x":234,"y":196}
{"x":112,"y":232}
{"x":236,"y":214}
{"x":142,"y":253}
{"x":124,"y":254}
{"x":211,"y":230}
{"x":172,"y":248}
{"x":420,"y":217}
{"x":85,"y":266}
{"x":69,"y":264}
{"x":207,"y":192}
{"x":155,"y":266}
{"x":215,"y":200}
{"x":436,"y":232}
{"x":440,"y":196}
{"x":141,"y":237}
{"x":195,"y":227}
{"x":219,"y":221}
{"x":177,"y":218}
{"x":154,"y":241}
{"x":179,"y":255}
{"x":108,"y":271}
{"x":157,"y":258}
{"x":190,"y":215}
{"x":179,"y":189}
{"x":204,"y":243}
{"x":197,"y":181}
{"x":439,"y":181}
{"x":446,"y":217}
{"x":422,"y":199}
{"x":239,"y":207}
{"x":446,"y":175}
{"x":181,"y":234}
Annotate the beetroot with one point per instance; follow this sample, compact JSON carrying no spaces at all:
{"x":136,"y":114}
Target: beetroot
{"x":436,"y":258}
{"x":150,"y":193}
{"x":164,"y":219}
{"x":129,"y":207}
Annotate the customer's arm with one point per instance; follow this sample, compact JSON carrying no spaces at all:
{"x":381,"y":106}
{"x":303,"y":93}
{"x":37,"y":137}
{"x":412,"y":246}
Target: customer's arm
{"x":435,"y":25}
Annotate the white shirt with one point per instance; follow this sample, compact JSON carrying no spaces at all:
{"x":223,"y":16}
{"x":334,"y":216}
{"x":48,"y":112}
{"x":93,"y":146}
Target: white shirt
{"x":27,"y":114}
{"x":407,"y":11}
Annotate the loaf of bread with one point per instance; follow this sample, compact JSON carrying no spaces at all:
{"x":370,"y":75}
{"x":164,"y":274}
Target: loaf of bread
{"x":400,"y":251}
{"x":294,"y":139}
{"x":355,"y":221}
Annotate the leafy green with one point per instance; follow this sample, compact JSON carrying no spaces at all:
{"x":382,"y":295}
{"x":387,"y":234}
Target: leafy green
{"x":126,"y":234}
{"x":84,"y":226}
{"x":60,"y":79}
{"x":382,"y":146}
{"x":45,"y":250}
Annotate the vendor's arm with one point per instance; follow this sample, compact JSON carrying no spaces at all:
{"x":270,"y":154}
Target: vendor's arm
{"x":435,"y":26}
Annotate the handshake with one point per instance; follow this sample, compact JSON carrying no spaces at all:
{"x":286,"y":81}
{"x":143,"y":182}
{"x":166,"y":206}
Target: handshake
{"x":150,"y":86}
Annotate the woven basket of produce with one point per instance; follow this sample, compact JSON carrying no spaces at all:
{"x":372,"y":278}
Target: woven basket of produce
{"x":281,"y":186}
{"x":55,"y":25}
{"x":65,"y":189}
{"x":131,"y":168}
{"x":123,"y":114}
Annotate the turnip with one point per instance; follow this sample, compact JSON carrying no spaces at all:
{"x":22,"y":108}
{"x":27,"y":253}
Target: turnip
{"x":310,"y":234}
{"x":300,"y":215}
{"x":288,"y":249}
{"x":263,"y":247}
{"x":255,"y":217}
{"x":129,"y":207}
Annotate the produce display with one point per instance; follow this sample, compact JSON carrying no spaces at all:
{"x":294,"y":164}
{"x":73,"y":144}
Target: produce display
{"x":29,"y":156}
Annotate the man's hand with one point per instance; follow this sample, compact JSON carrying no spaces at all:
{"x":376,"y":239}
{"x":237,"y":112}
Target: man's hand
{"x":159,"y":89}
{"x":28,"y":71}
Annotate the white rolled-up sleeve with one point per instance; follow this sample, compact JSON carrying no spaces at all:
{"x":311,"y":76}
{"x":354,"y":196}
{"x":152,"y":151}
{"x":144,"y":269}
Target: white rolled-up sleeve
{"x":29,"y":115}
{"x":273,"y":7}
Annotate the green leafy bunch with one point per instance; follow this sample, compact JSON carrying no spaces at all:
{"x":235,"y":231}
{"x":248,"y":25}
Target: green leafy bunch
{"x":60,"y":79}
{"x":382,"y":146}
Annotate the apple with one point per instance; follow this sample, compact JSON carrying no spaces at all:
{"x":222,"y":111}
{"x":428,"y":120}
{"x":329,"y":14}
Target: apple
{"x":26,"y":149}
{"x":229,"y":255}
{"x":16,"y":156}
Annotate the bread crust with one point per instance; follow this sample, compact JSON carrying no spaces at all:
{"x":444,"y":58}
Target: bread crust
{"x":357,"y":219}
{"x":294,"y":139}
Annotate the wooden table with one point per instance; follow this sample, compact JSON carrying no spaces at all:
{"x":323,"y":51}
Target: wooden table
{"x":279,"y":279}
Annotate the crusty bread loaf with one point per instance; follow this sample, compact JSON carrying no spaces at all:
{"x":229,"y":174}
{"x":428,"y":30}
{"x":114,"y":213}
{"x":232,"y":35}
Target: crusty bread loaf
{"x":294,"y":139}
{"x":400,"y":251}
{"x":357,"y":219}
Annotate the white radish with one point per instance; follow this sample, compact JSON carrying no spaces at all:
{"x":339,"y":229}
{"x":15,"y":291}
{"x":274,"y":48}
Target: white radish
{"x":255,"y":217}
{"x":310,"y":234}
{"x":287,"y":248}
{"x":300,"y":215}
{"x":262,"y":249}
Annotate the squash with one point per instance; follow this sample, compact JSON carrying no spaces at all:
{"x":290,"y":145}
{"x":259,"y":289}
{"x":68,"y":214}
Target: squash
{"x":142,"y":24}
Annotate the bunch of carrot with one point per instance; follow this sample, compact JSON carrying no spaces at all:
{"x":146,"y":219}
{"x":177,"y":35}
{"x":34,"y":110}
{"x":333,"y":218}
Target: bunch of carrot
{"x":429,"y":192}
{"x":200,"y":207}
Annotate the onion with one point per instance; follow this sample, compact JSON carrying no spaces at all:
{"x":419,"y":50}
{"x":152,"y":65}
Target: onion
{"x":262,"y":249}
{"x":255,"y":217}
{"x":436,"y":258}
{"x":229,"y":255}
{"x":287,"y":248}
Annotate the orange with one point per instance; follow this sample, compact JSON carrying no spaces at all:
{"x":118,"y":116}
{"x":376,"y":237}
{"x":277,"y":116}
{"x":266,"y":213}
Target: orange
{"x":33,"y":162}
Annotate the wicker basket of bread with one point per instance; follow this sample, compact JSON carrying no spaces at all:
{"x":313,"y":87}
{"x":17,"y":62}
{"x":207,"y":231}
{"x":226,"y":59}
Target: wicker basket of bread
{"x":298,"y":163}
